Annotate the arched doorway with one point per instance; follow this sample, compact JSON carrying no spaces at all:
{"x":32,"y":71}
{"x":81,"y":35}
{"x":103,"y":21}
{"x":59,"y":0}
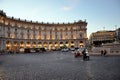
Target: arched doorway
{"x":61,"y":45}
{"x":34,"y":44}
{"x":72,"y":44}
{"x":67,"y":44}
{"x":45,"y":45}
{"x":56,"y":45}
{"x":50,"y":45}
{"x":8,"y":45}
{"x":28,"y":45}
{"x":39,"y":45}
{"x":21,"y":44}
{"x":81,"y":44}
{"x":15,"y":46}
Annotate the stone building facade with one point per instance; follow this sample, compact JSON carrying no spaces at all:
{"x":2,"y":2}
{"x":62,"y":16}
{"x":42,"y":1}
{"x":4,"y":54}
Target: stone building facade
{"x":17,"y":33}
{"x":118,"y":34}
{"x":101,"y":37}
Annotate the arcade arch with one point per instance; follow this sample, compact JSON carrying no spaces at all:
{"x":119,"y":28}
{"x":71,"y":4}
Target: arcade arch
{"x":56,"y":45}
{"x":28,"y":45}
{"x":72,"y":44}
{"x":50,"y":45}
{"x":22,"y":45}
{"x":34,"y":44}
{"x":45,"y":44}
{"x":8,"y":46}
{"x":15,"y":46}
{"x":67,"y":44}
{"x":81,"y":44}
{"x":40,"y":45}
{"x":61,"y":45}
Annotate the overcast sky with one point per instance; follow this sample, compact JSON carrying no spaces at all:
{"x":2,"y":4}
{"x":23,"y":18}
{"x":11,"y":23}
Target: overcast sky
{"x":98,"y":13}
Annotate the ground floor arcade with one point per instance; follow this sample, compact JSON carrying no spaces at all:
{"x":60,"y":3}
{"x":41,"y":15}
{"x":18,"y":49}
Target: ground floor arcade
{"x":15,"y":45}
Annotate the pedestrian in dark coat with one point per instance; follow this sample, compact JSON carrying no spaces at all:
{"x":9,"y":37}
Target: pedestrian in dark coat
{"x":84,"y":54}
{"x":105,"y":52}
{"x":102,"y":52}
{"x":87,"y":55}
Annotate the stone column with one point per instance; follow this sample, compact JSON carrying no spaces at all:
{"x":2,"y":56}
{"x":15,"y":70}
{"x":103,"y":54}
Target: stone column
{"x":3,"y":29}
{"x":42,"y":44}
{"x":31,"y":46}
{"x":58,"y":44}
{"x":18,"y":45}
{"x":12,"y":44}
{"x":3,"y":45}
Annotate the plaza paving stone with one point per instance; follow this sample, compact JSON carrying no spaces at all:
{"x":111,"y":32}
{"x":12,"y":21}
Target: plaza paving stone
{"x":57,"y":65}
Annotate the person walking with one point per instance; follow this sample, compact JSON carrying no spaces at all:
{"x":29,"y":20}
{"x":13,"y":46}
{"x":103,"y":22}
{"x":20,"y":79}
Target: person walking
{"x":105,"y":52}
{"x":84,"y":54}
{"x":102,"y":52}
{"x":87,"y":55}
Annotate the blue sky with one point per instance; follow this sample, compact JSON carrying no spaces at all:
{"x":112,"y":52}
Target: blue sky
{"x":98,"y":13}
